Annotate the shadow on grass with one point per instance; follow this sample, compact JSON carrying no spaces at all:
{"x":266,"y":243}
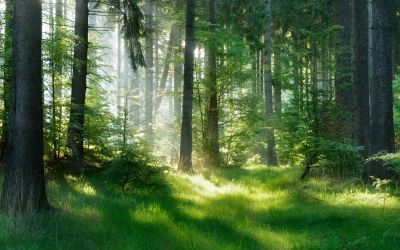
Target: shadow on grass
{"x":279,"y":214}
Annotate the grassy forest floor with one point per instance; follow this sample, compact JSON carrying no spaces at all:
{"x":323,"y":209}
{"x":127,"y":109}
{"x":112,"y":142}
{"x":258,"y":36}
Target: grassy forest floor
{"x":250,"y":208}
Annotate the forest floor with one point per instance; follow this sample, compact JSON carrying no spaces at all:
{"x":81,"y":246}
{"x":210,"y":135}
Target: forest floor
{"x":249,"y":208}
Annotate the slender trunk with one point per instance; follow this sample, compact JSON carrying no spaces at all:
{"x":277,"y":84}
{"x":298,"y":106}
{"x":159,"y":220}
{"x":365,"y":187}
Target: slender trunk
{"x":212,"y":131}
{"x":78,"y":93}
{"x":185,"y":161}
{"x":277,"y":82}
{"x":53,"y":84}
{"x":24,"y":184}
{"x":149,"y":58}
{"x":343,"y":81}
{"x":7,"y":73}
{"x":360,"y":75}
{"x":58,"y":67}
{"x":164,"y":77}
{"x":119,"y":74}
{"x":382,"y":127}
{"x":136,"y":100}
{"x":271,"y":151}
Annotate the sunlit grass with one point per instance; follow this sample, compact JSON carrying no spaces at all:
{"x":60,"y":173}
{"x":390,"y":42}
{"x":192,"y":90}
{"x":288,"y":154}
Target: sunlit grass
{"x":250,"y":208}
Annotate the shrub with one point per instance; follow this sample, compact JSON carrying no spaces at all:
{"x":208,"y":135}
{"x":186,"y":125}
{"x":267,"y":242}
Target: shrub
{"x":135,"y":169}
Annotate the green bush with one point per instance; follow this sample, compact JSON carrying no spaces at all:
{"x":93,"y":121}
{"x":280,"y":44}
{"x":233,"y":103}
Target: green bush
{"x":390,"y":160}
{"x":135,"y":169}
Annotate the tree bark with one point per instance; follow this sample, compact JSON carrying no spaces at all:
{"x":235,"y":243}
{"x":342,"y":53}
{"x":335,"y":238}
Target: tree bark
{"x":343,"y":81}
{"x":78,"y":95}
{"x":360,"y":74}
{"x":212,"y":130}
{"x":24,"y":183}
{"x":382,"y":127}
{"x":7,"y":74}
{"x":149,"y":58}
{"x":185,"y":161}
{"x":267,"y":58}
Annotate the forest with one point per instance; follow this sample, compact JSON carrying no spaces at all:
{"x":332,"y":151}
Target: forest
{"x":199,"y":124}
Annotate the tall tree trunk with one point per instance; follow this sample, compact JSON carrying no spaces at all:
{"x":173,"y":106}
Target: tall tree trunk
{"x":7,"y":73}
{"x":163,"y":82}
{"x":277,"y":82}
{"x":119,"y":74}
{"x":343,"y":81}
{"x":24,"y":184}
{"x":78,"y":95}
{"x":212,"y":131}
{"x":382,"y":128}
{"x":271,"y":151}
{"x":360,"y":75}
{"x":149,"y":58}
{"x":58,"y":68}
{"x":136,"y":100}
{"x":185,"y":161}
{"x":178,"y":72}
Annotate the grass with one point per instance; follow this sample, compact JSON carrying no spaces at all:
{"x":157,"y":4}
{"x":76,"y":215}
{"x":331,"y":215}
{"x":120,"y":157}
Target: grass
{"x":249,"y":208}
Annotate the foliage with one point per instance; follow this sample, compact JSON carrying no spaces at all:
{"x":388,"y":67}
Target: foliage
{"x":135,"y":169}
{"x":390,"y":160}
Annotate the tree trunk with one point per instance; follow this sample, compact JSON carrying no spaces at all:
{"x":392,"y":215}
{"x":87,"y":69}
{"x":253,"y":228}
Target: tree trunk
{"x":149,"y":58}
{"x":360,"y":75}
{"x":277,"y":82}
{"x":382,"y":128}
{"x":7,"y":74}
{"x":185,"y":161}
{"x":212,"y":131}
{"x":78,"y":95}
{"x":271,"y":151}
{"x":343,"y":81}
{"x":178,"y":69}
{"x":24,"y":184}
{"x":119,"y":74}
{"x":163,"y":82}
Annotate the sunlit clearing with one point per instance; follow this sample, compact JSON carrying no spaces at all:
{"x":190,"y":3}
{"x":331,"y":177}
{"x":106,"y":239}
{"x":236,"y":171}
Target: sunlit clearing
{"x":208,"y":188}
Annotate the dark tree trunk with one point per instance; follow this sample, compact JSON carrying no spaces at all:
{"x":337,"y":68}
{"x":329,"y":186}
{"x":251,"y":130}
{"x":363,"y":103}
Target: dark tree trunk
{"x":277,"y":82}
{"x":178,"y":72}
{"x":24,"y":184}
{"x":78,"y":95}
{"x":271,"y":151}
{"x":149,"y":58}
{"x":178,"y":69}
{"x":7,"y":73}
{"x":382,"y":128}
{"x":343,"y":81}
{"x":360,"y":75}
{"x":185,"y":161}
{"x":212,"y":131}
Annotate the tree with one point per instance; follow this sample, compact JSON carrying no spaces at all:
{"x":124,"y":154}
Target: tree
{"x":343,"y":81}
{"x":212,"y":130}
{"x":382,"y":127}
{"x":271,"y":152}
{"x":360,"y":74}
{"x":24,"y":183}
{"x":7,"y":72}
{"x":149,"y":58}
{"x":185,"y":161}
{"x":78,"y":95}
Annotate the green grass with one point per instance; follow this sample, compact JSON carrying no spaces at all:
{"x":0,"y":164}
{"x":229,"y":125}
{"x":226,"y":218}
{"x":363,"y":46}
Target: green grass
{"x":249,"y":208}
